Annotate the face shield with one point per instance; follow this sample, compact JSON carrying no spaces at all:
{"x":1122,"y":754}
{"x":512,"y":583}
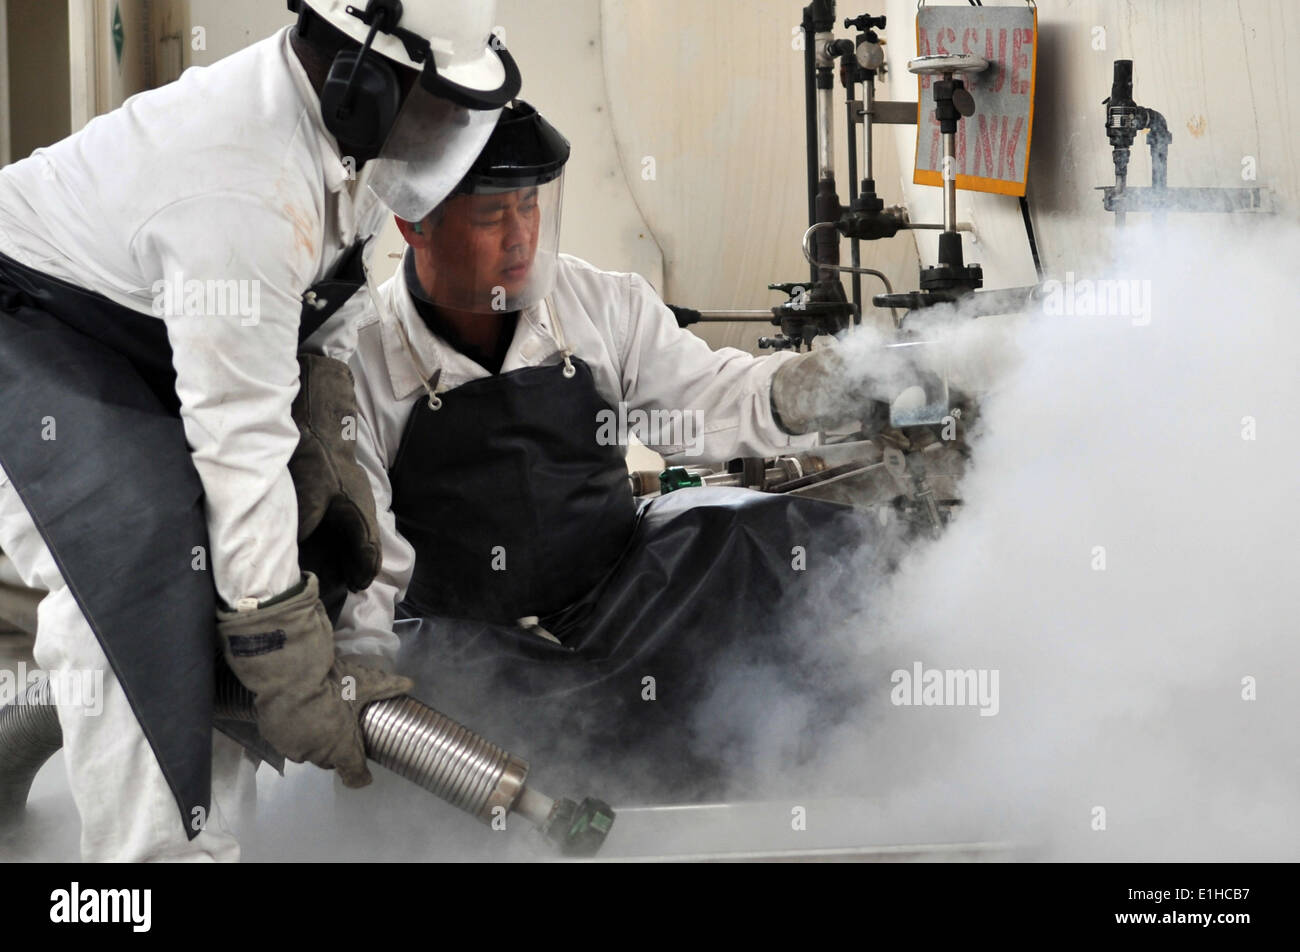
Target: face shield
{"x":433,"y":144}
{"x":420,"y":151}
{"x":493,"y":246}
{"x":494,"y":250}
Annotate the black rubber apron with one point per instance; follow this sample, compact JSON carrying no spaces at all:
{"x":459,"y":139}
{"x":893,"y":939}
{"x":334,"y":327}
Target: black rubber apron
{"x":513,"y":506}
{"x":91,"y":439}
{"x":511,"y":465}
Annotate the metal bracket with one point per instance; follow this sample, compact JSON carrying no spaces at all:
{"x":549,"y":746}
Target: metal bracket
{"x":1254,"y":199}
{"x":892,"y":113}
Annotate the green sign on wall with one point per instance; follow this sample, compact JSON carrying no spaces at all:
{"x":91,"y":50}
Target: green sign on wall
{"x":119,"y":34}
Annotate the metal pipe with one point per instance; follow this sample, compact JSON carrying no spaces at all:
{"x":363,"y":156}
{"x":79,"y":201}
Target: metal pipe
{"x":450,"y":761}
{"x":29,"y":736}
{"x":949,"y":181}
{"x":855,"y":250}
{"x":808,"y":254}
{"x":1121,"y":180}
{"x":1158,"y":138}
{"x":869,"y":99}
{"x":913,"y":226}
{"x":810,"y":115}
{"x":402,"y":734}
{"x":825,"y":107}
{"x":17,"y":601}
{"x":825,"y":134}
{"x":745,"y":314}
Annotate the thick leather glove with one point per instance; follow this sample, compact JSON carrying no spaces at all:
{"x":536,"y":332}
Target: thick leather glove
{"x":839,"y":385}
{"x":338,"y":531}
{"x":307,"y":708}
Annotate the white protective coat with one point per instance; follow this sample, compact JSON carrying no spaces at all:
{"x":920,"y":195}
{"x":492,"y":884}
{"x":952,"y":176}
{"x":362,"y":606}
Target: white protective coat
{"x":227,"y":175}
{"x":638,"y":355}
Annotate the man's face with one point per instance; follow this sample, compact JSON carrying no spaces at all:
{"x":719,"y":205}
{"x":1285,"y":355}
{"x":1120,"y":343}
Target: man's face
{"x":480,"y":244}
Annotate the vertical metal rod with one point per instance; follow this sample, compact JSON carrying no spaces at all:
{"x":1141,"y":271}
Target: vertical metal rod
{"x":854,"y":245}
{"x":810,"y":117}
{"x":869,"y":87}
{"x":825,"y":134}
{"x":949,"y":181}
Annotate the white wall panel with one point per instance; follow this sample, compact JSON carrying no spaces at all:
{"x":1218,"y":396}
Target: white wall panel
{"x":230,"y":25}
{"x":4,"y":83}
{"x":714,"y":93}
{"x":1218,"y":72}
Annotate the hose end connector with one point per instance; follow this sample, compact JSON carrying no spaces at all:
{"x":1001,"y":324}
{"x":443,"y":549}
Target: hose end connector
{"x":579,"y":829}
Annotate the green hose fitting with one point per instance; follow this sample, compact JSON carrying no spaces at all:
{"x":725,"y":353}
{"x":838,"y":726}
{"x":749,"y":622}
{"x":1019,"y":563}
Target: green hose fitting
{"x":677,"y":477}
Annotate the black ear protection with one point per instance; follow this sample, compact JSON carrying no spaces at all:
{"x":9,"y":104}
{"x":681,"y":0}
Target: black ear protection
{"x":362,"y":93}
{"x":360,"y":101}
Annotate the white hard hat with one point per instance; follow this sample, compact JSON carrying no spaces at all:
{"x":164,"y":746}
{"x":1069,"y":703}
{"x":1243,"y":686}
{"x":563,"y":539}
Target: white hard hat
{"x":471,"y":66}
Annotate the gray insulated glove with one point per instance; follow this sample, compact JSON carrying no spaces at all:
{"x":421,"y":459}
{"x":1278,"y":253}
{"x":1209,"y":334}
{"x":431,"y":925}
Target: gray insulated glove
{"x":308,"y":702}
{"x":338,"y":531}
{"x":819,"y":390}
{"x":837,"y":386}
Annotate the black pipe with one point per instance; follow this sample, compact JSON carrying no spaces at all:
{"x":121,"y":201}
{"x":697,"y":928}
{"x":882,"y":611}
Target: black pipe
{"x":1029,"y":233}
{"x":855,"y":254}
{"x":1121,"y":83}
{"x":810,"y":116}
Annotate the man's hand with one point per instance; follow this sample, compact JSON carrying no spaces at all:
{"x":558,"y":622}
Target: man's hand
{"x":338,"y":531}
{"x":308,"y":702}
{"x":836,"y":386}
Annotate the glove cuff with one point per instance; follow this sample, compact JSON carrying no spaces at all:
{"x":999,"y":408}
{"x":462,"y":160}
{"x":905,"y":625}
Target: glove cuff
{"x":370,"y":662}
{"x":285,"y":647}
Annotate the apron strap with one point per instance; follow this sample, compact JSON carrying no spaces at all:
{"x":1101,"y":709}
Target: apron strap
{"x":569,"y":369}
{"x":322,"y":300}
{"x":430,"y":381}
{"x":430,"y":384}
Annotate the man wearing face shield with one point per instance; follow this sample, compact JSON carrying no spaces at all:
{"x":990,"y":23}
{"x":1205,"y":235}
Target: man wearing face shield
{"x":160,"y":271}
{"x":486,"y":383}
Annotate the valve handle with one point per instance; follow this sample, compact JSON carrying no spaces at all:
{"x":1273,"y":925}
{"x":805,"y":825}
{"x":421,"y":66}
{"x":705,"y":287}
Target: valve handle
{"x":963,"y":101}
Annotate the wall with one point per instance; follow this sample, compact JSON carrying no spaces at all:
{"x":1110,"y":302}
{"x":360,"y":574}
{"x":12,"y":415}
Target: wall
{"x":1216,"y":70}
{"x":714,"y":93}
{"x":4,"y":82}
{"x":230,"y":25}
{"x":629,"y":79}
{"x":169,"y":30}
{"x":563,"y":76}
{"x":39,"y":83}
{"x":565,"y":64}
{"x":62,"y":68}
{"x":100,"y":80}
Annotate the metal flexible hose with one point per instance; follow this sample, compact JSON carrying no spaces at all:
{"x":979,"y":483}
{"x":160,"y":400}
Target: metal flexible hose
{"x":402,"y":734}
{"x":29,"y":736}
{"x":450,"y":761}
